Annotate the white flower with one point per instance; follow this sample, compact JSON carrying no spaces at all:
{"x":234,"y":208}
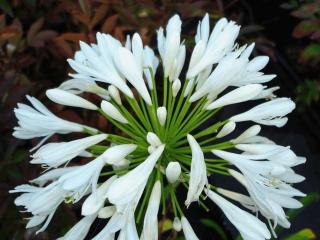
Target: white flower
{"x":78,"y":182}
{"x":247,"y":134}
{"x":52,"y":175}
{"x":150,"y":223}
{"x":162,"y":115}
{"x":248,"y":225}
{"x":198,"y":173}
{"x":95,"y":201}
{"x":187,"y":229}
{"x":40,"y":122}
{"x":111,"y":111}
{"x":56,"y":154}
{"x":173,"y":171}
{"x":100,"y":67}
{"x":169,"y":46}
{"x":42,"y":202}
{"x":69,"y":99}
{"x":241,"y":198}
{"x":78,"y":86}
{"x":268,"y":113}
{"x":128,"y":66}
{"x":80,"y":230}
{"x":125,"y":188}
{"x":219,"y":43}
{"x":263,"y":180}
{"x":284,"y":155}
{"x":150,"y":64}
{"x":238,"y":95}
{"x":150,"y":152}
{"x":226,"y":129}
{"x":229,"y":70}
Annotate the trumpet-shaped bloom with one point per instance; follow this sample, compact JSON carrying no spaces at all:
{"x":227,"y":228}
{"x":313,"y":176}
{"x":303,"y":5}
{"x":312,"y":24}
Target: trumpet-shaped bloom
{"x":56,"y":154}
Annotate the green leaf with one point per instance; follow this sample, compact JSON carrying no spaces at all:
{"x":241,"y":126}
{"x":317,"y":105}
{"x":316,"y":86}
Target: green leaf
{"x":304,"y":234}
{"x":305,"y":28}
{"x":311,"y":53}
{"x":5,"y":6}
{"x":215,"y":226}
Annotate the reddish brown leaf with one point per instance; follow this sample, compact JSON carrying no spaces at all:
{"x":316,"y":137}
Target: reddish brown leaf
{"x":109,"y":23}
{"x":100,"y":13}
{"x":34,"y":29}
{"x":305,"y":28}
{"x":42,"y":37}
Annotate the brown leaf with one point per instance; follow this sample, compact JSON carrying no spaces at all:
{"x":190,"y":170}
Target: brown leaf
{"x":34,"y":29}
{"x":100,"y":13}
{"x":42,"y":37}
{"x":306,"y":28}
{"x":109,"y":23}
{"x":73,"y":37}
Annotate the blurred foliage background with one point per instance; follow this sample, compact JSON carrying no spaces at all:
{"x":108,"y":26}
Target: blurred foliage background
{"x":36,"y":37}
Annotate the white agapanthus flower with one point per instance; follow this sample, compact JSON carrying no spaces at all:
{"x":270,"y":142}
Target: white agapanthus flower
{"x":168,"y":137}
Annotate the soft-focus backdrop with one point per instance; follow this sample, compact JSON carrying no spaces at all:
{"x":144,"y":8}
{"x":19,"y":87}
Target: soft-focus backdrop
{"x":36,"y":37}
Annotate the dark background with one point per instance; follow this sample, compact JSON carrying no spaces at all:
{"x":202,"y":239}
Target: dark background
{"x":36,"y":37}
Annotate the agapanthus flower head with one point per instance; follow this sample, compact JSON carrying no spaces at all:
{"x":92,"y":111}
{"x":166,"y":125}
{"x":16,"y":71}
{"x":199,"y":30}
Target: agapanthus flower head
{"x":168,"y":137}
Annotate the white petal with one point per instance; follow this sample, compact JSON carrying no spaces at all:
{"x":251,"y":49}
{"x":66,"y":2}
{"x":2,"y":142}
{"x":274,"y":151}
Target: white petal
{"x":187,"y":229}
{"x":124,"y":189}
{"x":198,"y":173}
{"x":150,"y":229}
{"x":238,"y":95}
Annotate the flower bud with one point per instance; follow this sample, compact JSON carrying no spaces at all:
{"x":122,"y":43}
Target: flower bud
{"x":162,"y":115}
{"x":112,"y":112}
{"x":176,"y":224}
{"x":114,"y":93}
{"x":173,"y":171}
{"x":68,"y":99}
{"x":227,"y":129}
{"x":176,"y":87}
{"x":153,"y":139}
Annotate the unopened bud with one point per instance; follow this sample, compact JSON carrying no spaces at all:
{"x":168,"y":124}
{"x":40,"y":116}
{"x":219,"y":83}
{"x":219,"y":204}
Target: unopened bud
{"x":112,"y":112}
{"x":114,"y":93}
{"x":153,"y":139}
{"x":176,"y":224}
{"x":226,"y":129}
{"x":173,"y":171}
{"x":162,"y":115}
{"x":176,"y":87}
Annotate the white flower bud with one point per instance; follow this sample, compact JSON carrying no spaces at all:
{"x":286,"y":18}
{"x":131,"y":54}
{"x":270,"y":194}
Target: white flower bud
{"x":226,"y":129}
{"x":114,"y":93}
{"x":176,"y":87}
{"x":68,"y":99}
{"x":162,"y":115}
{"x":153,"y":139}
{"x":173,"y":172}
{"x":176,"y":224}
{"x":112,"y":112}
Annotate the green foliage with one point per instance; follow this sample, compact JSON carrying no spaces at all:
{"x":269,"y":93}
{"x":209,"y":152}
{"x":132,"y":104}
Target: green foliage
{"x":215,"y":227}
{"x":304,"y":234}
{"x":308,"y":92}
